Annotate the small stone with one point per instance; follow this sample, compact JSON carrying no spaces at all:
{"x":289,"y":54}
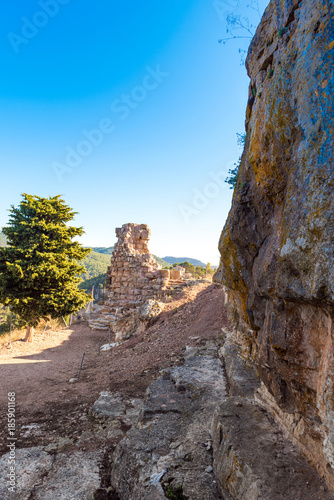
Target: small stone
{"x":208,"y":445}
{"x":209,"y":469}
{"x":64,"y":443}
{"x":73,"y":380}
{"x":51,"y":447}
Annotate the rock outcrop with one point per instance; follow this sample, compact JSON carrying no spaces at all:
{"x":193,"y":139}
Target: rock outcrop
{"x":168,"y":453}
{"x":200,"y":434}
{"x":277,"y":251}
{"x":45,"y":476}
{"x":201,"y":437}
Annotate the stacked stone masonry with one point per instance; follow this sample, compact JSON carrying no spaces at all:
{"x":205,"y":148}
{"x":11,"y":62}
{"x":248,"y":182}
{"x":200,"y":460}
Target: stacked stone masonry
{"x":133,"y":278}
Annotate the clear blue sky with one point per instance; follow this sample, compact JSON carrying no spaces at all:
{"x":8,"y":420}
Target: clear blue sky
{"x":168,"y":100}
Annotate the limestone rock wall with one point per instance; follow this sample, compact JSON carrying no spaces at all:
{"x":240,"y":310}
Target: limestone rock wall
{"x":277,"y":246}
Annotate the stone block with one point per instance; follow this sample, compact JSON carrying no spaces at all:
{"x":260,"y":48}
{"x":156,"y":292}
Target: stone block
{"x":165,"y":273}
{"x":175,"y":274}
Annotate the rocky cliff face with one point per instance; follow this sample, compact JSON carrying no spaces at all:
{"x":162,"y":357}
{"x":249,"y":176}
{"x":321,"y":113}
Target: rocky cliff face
{"x":277,"y":247}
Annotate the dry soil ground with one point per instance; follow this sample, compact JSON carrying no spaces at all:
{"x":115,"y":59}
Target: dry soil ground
{"x":39,"y":373}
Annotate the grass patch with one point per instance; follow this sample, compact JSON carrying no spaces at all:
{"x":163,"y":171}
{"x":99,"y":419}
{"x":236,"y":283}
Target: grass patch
{"x":174,"y":492}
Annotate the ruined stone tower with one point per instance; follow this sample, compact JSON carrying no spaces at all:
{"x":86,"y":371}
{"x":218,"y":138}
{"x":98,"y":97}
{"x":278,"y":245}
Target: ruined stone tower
{"x":133,"y":276}
{"x":134,"y":285}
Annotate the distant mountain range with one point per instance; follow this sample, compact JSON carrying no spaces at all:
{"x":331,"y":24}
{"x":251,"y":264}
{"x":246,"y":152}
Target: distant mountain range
{"x":106,"y":250}
{"x":98,"y":260}
{"x":174,"y":260}
{"x":164,"y":261}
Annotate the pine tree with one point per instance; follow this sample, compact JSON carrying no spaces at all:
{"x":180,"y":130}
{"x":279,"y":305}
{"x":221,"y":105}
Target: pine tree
{"x":39,"y":270}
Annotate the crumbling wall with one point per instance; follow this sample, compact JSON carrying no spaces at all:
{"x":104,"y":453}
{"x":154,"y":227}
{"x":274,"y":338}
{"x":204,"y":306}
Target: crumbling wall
{"x":135,"y":284}
{"x":134,"y":275}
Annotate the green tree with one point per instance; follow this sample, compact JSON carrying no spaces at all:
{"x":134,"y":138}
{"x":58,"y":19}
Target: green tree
{"x":233,"y":173}
{"x":240,"y":26}
{"x":39,"y":270}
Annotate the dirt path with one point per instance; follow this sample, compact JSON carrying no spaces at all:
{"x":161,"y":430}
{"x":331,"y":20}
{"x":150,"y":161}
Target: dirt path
{"x":39,"y":373}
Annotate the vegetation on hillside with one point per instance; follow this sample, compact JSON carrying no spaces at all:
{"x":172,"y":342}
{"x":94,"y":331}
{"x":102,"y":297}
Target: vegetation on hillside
{"x":163,"y":263}
{"x":196,"y":271}
{"x":166,"y":262}
{"x":39,"y":270}
{"x":106,"y":250}
{"x":99,"y":281}
{"x":94,"y":275}
{"x":175,"y":260}
{"x":96,"y":281}
{"x":95,"y":264}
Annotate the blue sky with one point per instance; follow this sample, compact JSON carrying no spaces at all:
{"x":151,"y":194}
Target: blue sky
{"x":129,"y":110}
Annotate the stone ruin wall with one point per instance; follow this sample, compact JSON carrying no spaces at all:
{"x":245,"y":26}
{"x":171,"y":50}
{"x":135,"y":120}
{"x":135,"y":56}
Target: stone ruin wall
{"x":133,"y":279}
{"x":133,"y":276}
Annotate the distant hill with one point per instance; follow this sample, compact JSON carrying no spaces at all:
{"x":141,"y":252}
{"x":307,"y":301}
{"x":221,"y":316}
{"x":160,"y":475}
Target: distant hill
{"x":96,"y":263}
{"x":173,"y":260}
{"x":96,"y":281}
{"x":106,"y":250}
{"x":98,"y":260}
{"x":162,"y":262}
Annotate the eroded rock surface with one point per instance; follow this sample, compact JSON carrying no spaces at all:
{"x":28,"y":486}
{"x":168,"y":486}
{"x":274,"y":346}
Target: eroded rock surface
{"x":73,"y":470}
{"x":45,"y":476}
{"x":170,"y":448}
{"x":277,"y":251}
{"x":197,"y":441}
{"x":191,"y":439}
{"x":253,"y":460}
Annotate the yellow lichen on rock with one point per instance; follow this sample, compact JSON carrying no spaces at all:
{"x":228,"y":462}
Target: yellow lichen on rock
{"x":277,"y":245}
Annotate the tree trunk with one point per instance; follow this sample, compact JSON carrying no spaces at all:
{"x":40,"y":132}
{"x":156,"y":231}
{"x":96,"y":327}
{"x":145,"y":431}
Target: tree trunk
{"x":29,"y":334}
